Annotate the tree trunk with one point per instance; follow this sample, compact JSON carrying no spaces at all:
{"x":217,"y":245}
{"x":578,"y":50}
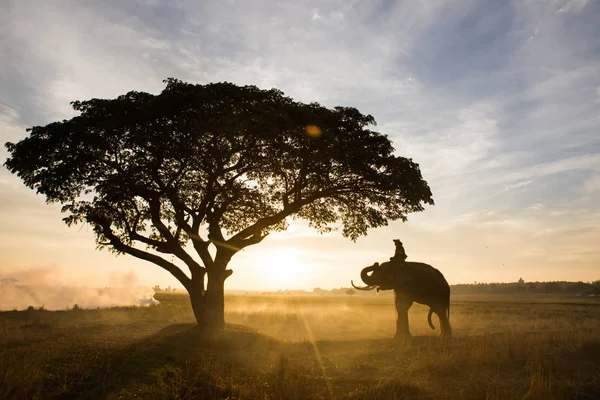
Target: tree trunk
{"x":209,"y":305}
{"x":215,"y":303}
{"x":198,"y":303}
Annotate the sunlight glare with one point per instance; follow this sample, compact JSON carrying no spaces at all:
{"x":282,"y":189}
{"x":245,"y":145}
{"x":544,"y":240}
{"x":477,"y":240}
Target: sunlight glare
{"x":283,"y":267}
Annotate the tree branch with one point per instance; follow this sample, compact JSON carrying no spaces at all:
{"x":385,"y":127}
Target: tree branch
{"x":162,"y":247}
{"x":119,"y":245}
{"x":253,"y":233}
{"x":172,"y":242}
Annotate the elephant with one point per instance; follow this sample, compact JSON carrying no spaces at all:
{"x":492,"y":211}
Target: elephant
{"x":411,"y":282}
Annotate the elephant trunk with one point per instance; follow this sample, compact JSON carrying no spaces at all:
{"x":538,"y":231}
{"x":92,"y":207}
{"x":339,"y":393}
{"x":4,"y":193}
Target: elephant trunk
{"x":369,"y":279}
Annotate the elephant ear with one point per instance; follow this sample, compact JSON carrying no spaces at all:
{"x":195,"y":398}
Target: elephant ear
{"x":404,"y":276}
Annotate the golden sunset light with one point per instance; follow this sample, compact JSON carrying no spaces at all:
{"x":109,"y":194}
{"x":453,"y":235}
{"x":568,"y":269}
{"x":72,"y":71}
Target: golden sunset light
{"x":293,"y":200}
{"x":282,"y":266}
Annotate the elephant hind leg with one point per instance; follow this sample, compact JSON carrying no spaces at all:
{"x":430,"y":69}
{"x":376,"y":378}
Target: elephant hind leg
{"x":444,"y":323}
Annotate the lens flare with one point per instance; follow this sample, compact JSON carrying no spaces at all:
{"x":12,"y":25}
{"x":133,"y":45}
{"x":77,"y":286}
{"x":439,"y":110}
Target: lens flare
{"x":313,"y":131}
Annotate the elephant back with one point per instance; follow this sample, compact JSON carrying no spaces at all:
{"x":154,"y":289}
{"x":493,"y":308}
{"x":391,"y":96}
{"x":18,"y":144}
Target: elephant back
{"x":423,"y":282}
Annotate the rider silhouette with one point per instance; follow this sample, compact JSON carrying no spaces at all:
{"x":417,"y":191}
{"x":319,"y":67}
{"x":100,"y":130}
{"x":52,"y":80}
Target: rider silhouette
{"x":400,"y":254}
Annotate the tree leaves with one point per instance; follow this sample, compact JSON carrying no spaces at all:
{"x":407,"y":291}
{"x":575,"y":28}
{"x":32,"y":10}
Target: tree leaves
{"x":216,"y":163}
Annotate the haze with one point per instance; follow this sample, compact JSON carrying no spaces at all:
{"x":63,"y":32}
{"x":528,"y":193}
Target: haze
{"x":499,"y":103}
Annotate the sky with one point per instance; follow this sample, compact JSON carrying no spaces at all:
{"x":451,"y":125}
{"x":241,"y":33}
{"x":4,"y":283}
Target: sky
{"x":498,"y":102}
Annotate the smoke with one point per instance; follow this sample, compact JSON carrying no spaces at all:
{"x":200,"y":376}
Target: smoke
{"x":39,"y":288}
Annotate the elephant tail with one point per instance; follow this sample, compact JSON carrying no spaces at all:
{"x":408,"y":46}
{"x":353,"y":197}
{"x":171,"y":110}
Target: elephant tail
{"x":429,"y":319}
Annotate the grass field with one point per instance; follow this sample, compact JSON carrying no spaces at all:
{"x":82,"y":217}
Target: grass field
{"x":305,"y":348}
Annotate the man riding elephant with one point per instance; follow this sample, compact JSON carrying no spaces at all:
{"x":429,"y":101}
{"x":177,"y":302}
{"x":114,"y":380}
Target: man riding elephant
{"x":400,"y":254}
{"x":411,"y":282}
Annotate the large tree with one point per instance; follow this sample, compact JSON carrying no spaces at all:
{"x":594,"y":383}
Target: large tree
{"x":217,"y":166}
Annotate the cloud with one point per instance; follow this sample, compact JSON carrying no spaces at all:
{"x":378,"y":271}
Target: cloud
{"x":517,"y":185}
{"x":9,"y":125}
{"x":571,"y":5}
{"x":542,"y":170}
{"x":55,"y":61}
{"x":592,"y":184}
{"x":497,"y":101}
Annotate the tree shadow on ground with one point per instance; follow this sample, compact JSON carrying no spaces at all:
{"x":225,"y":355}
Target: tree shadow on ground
{"x":182,"y":361}
{"x":179,"y":356}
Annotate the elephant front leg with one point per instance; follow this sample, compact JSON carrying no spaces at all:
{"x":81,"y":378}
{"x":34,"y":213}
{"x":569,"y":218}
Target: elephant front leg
{"x":403,"y":303}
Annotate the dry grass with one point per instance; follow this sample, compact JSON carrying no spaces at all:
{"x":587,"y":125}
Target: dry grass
{"x":305,"y":348}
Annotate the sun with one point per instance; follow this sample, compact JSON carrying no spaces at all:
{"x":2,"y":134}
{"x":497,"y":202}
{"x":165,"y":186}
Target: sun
{"x":282,"y":267}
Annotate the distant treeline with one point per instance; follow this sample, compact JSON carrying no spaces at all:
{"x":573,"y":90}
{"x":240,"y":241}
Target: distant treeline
{"x":575,"y":288}
{"x":521,"y":287}
{"x":559,"y":287}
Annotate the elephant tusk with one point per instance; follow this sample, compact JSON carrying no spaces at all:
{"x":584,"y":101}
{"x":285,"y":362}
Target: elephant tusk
{"x":365,"y":288}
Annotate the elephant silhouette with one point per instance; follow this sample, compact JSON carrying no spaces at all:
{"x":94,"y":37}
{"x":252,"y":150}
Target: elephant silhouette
{"x":411,"y":282}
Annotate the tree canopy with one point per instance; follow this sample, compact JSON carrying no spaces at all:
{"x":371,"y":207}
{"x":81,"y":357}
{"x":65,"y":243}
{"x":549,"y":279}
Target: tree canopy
{"x":216,"y":164}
